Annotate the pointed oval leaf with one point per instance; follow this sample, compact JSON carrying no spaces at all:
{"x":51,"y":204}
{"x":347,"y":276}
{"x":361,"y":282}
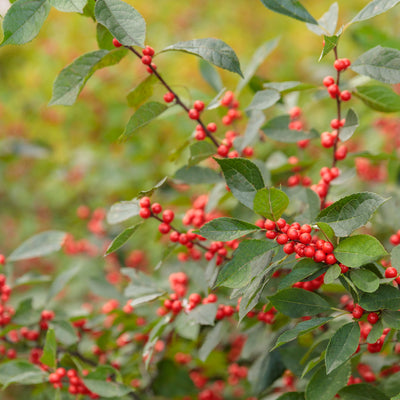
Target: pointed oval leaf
{"x":298,"y":303}
{"x":65,"y":332}
{"x":141,"y":93}
{"x":330,"y":44}
{"x":74,"y":76}
{"x":122,"y":20}
{"x":237,"y":272}
{"x":21,"y":372}
{"x":376,"y":332}
{"x":226,"y":229}
{"x":328,"y":22}
{"x":264,"y":99}
{"x":143,"y":116}
{"x":290,"y":8}
{"x":24,"y":20}
{"x":196,"y":175}
{"x":39,"y":245}
{"x":379,"y":98}
{"x":270,"y":203}
{"x":342,"y":346}
{"x":391,"y":318}
{"x":380,"y":63}
{"x":121,"y":239}
{"x":302,"y":270}
{"x":362,"y":391}
{"x":210,"y":75}
{"x":122,"y":211}
{"x":350,"y":125}
{"x":212,"y":339}
{"x":332,"y":274}
{"x":50,"y":349}
{"x":374,"y":8}
{"x":358,"y":250}
{"x":69,"y":5}
{"x":395,"y":257}
{"x":278,"y":129}
{"x":243,"y":178}
{"x":386,"y":297}
{"x":212,"y":50}
{"x":323,"y":386}
{"x":204,"y":314}
{"x":145,"y":299}
{"x":351,"y":212}
{"x":301,"y":329}
{"x":104,"y":38}
{"x":200,"y":151}
{"x":365,"y":280}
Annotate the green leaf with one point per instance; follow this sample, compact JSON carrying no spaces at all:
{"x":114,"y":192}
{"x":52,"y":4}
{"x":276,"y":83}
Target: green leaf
{"x":376,"y":332}
{"x":25,"y":314}
{"x":146,"y":299}
{"x":100,"y":286}
{"x":196,"y":175}
{"x":323,"y":386}
{"x":301,"y":329}
{"x":292,"y":396}
{"x":391,"y":386}
{"x":351,"y":212}
{"x":204,"y":314}
{"x":226,"y":229}
{"x":298,"y":303}
{"x":172,"y":381}
{"x":149,"y":192}
{"x":122,"y":211}
{"x":255,"y":122}
{"x":350,"y":125}
{"x":97,"y":382}
{"x":50,"y":349}
{"x":380,"y":63}
{"x":395,"y":257}
{"x":278,"y":129}
{"x":358,"y":250}
{"x":121,"y":239}
{"x":264,"y":99}
{"x":386,"y":296}
{"x":210,"y":75}
{"x":212,"y":339}
{"x":243,"y":178}
{"x":259,"y":56}
{"x":302,"y":270}
{"x":142,"y":92}
{"x":288,"y":86}
{"x":379,"y":98}
{"x":391,"y":318}
{"x":65,"y":332}
{"x":362,"y":391}
{"x":342,"y":346}
{"x":270,"y":203}
{"x":104,"y":38}
{"x":122,"y":20}
{"x":237,"y":272}
{"x":365,"y":280}
{"x":199,"y":151}
{"x":69,"y":5}
{"x":21,"y":372}
{"x":330,"y":44}
{"x":24,"y":20}
{"x":143,"y":116}
{"x":186,"y":328}
{"x":374,"y":8}
{"x":61,"y":280}
{"x":332,"y":274}
{"x":212,"y":50}
{"x":74,"y":76}
{"x":327,"y":231}
{"x":327,"y":23}
{"x":39,"y":245}
{"x":290,"y":8}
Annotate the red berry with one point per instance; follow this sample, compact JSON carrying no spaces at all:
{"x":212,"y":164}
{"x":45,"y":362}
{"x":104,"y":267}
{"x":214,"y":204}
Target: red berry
{"x":345,"y":95}
{"x":282,"y":238}
{"x":327,"y":247}
{"x":116,"y":43}
{"x":200,"y":135}
{"x":269,"y":225}
{"x":144,"y":202}
{"x":373,"y":318}
{"x":328,"y":81}
{"x":333,"y":90}
{"x":327,"y":140}
{"x":146,"y":60}
{"x":281,"y":223}
{"x":164,"y":228}
{"x":339,"y":65}
{"x":168,"y":216}
{"x":174,"y":236}
{"x":319,"y":256}
{"x":341,"y":153}
{"x":293,"y":234}
{"x":271,"y":234}
{"x":358,"y":311}
{"x":343,"y":268}
{"x":309,"y":252}
{"x":156,"y":208}
{"x":335,"y":124}
{"x":330,"y":259}
{"x":193,"y":114}
{"x":391,"y":272}
{"x":305,"y":238}
{"x":212,"y":127}
{"x":148,"y":51}
{"x":288,"y":248}
{"x":145,"y":213}
{"x":223,"y":150}
{"x":198,"y":105}
{"x":169,"y":97}
{"x":2,"y":259}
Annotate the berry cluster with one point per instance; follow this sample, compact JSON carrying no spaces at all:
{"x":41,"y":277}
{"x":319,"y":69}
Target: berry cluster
{"x":327,"y":176}
{"x":297,"y":238}
{"x":297,"y":179}
{"x":6,"y":311}
{"x":297,"y":124}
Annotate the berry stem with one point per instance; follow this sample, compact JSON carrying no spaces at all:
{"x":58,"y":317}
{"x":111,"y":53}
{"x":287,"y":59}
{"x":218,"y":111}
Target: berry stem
{"x":177,"y":98}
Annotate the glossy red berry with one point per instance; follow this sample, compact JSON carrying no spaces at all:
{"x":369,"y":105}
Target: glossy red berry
{"x":319,"y":256}
{"x":168,"y":216}
{"x":330,"y":259}
{"x":309,"y":252}
{"x":193,"y":114}
{"x":327,"y":247}
{"x":146,"y":60}
{"x":305,"y":238}
{"x":148,"y":51}
{"x":339,"y":65}
{"x":391,"y":272}
{"x":144,"y":213}
{"x":169,"y":97}
{"x":343,"y":268}
{"x":144,"y":202}
{"x":198,"y":105}
{"x":328,"y":81}
{"x":333,"y":90}
{"x":373,"y":318}
{"x":282,"y":238}
{"x":116,"y":43}
{"x":341,"y":153}
{"x":345,"y":95}
{"x":269,"y":225}
{"x":156,"y":208}
{"x":212,"y":127}
{"x":223,"y":150}
{"x":164,"y":228}
{"x":358,"y":311}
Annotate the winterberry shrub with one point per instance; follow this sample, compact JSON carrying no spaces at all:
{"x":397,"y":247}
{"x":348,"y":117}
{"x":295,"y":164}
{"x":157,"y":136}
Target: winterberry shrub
{"x":278,"y":277}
